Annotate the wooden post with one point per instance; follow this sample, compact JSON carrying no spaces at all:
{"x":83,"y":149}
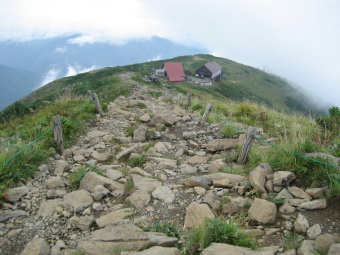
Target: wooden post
{"x":189,"y":99}
{"x":96,"y":102}
{"x":247,"y":145}
{"x":58,"y":132}
{"x":180,"y":99}
{"x":206,"y":113}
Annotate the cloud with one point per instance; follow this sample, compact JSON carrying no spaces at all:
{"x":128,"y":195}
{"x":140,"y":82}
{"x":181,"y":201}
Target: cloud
{"x":296,"y":39}
{"x":61,"y":49}
{"x":50,"y":76}
{"x":76,"y":69}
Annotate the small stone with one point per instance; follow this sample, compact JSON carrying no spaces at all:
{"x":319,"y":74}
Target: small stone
{"x":164,"y":193}
{"x":186,"y":169}
{"x":114,"y":174}
{"x":54,"y":182}
{"x":283,"y":178}
{"x":198,"y":181}
{"x":83,"y":223}
{"x":78,"y":200}
{"x":197,"y":160}
{"x":271,"y":231}
{"x":284,"y":194}
{"x":334,"y":249}
{"x":314,"y":231}
{"x":144,"y":183}
{"x":257,"y":177}
{"x":98,"y":207}
{"x":301,"y":224}
{"x":199,"y":190}
{"x":315,"y":192}
{"x":100,"y":157}
{"x":113,"y":217}
{"x":307,"y":248}
{"x":286,"y":208}
{"x":145,"y":117}
{"x":15,"y":194}
{"x":323,"y":242}
{"x":37,"y":247}
{"x":299,"y":193}
{"x":139,"y":199}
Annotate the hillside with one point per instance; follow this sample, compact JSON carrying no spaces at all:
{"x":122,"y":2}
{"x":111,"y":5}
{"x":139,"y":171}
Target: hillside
{"x":53,"y":58}
{"x":151,"y":176}
{"x":242,"y":83}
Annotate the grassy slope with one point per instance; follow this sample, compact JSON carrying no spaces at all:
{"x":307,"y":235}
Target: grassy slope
{"x":243,"y":83}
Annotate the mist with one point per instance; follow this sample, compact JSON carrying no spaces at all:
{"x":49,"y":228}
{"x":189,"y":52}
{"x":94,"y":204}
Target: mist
{"x":295,"y":39}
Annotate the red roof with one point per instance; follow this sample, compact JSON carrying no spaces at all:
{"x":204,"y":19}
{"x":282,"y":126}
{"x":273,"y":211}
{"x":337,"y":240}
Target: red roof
{"x":174,"y":71}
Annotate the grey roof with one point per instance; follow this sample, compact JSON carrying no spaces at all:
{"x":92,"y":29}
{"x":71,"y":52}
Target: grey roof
{"x":213,"y":67}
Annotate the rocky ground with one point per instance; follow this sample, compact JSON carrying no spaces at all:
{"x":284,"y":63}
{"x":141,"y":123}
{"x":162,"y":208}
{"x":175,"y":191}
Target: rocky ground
{"x":168,"y":170}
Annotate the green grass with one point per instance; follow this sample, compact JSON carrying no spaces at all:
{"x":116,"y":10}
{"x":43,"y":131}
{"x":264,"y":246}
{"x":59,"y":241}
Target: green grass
{"x":215,"y":231}
{"x":138,"y":160}
{"x":166,"y":228}
{"x":129,"y":186}
{"x":292,"y":241}
{"x":276,"y":200}
{"x":18,"y":133}
{"x":228,"y":131}
{"x":76,"y":177}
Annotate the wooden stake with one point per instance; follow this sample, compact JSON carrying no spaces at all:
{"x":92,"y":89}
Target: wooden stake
{"x":96,"y":102}
{"x":58,"y":132}
{"x":180,"y":99}
{"x":189,"y":99}
{"x":206,"y":113}
{"x":247,"y":145}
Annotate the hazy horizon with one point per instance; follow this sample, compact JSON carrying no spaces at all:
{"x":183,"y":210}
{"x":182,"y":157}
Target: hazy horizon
{"x":295,"y":39}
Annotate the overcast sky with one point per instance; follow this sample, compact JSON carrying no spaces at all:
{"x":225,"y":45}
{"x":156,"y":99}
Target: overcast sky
{"x":296,"y":39}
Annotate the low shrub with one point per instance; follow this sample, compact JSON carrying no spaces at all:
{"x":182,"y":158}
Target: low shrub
{"x":138,"y":160}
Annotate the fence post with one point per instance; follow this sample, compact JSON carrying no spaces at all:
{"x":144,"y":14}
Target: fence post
{"x":96,"y":102}
{"x":206,"y":113}
{"x":248,"y":141}
{"x":189,"y":99}
{"x":58,"y":132}
{"x":180,"y":99}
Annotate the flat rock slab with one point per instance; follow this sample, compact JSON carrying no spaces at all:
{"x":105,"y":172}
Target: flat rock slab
{"x":226,"y":249}
{"x":144,"y":183}
{"x":222,"y":144}
{"x":198,"y":182}
{"x":224,"y":179}
{"x":112,"y":239}
{"x":157,"y":250}
{"x":37,"y":247}
{"x":113,"y":217}
{"x":161,"y":239}
{"x":11,"y":214}
{"x":14,"y":195}
{"x":78,"y":200}
{"x":314,"y":204}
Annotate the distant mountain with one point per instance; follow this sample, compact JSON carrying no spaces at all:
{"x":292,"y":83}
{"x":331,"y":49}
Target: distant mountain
{"x":15,"y":83}
{"x":49,"y":59}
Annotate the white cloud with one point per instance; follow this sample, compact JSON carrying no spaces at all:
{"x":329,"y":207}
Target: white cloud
{"x":297,"y":39}
{"x":50,"y":76}
{"x":76,"y":69}
{"x":157,"y":57}
{"x":61,"y":49}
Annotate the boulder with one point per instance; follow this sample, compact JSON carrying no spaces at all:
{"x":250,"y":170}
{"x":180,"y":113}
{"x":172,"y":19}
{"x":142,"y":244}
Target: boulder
{"x":91,"y":179}
{"x":315,"y":192}
{"x":161,"y":239}
{"x":283,"y":178}
{"x":15,"y":194}
{"x":54,"y":182}
{"x":301,"y":224}
{"x":37,"y":247}
{"x":334,"y":249}
{"x":139,"y":135}
{"x":186,"y":169}
{"x":314,"y":231}
{"x":145,"y":118}
{"x":47,"y":208}
{"x":101,"y":157}
{"x":286,"y":208}
{"x":112,"y":239}
{"x":113,"y":217}
{"x":323,"y":242}
{"x":156,"y":250}
{"x":257,"y":177}
{"x":60,"y":166}
{"x":196,"y":214}
{"x":196,"y":181}
{"x":139,"y":199}
{"x":83,"y":223}
{"x":144,"y":183}
{"x":78,"y":200}
{"x":299,"y":193}
{"x":263,"y":211}
{"x":222,"y":144}
{"x":314,"y":204}
{"x":164,"y":193}
{"x":307,"y":248}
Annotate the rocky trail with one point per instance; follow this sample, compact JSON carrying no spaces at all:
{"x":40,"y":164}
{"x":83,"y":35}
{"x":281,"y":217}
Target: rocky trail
{"x":148,"y":161}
